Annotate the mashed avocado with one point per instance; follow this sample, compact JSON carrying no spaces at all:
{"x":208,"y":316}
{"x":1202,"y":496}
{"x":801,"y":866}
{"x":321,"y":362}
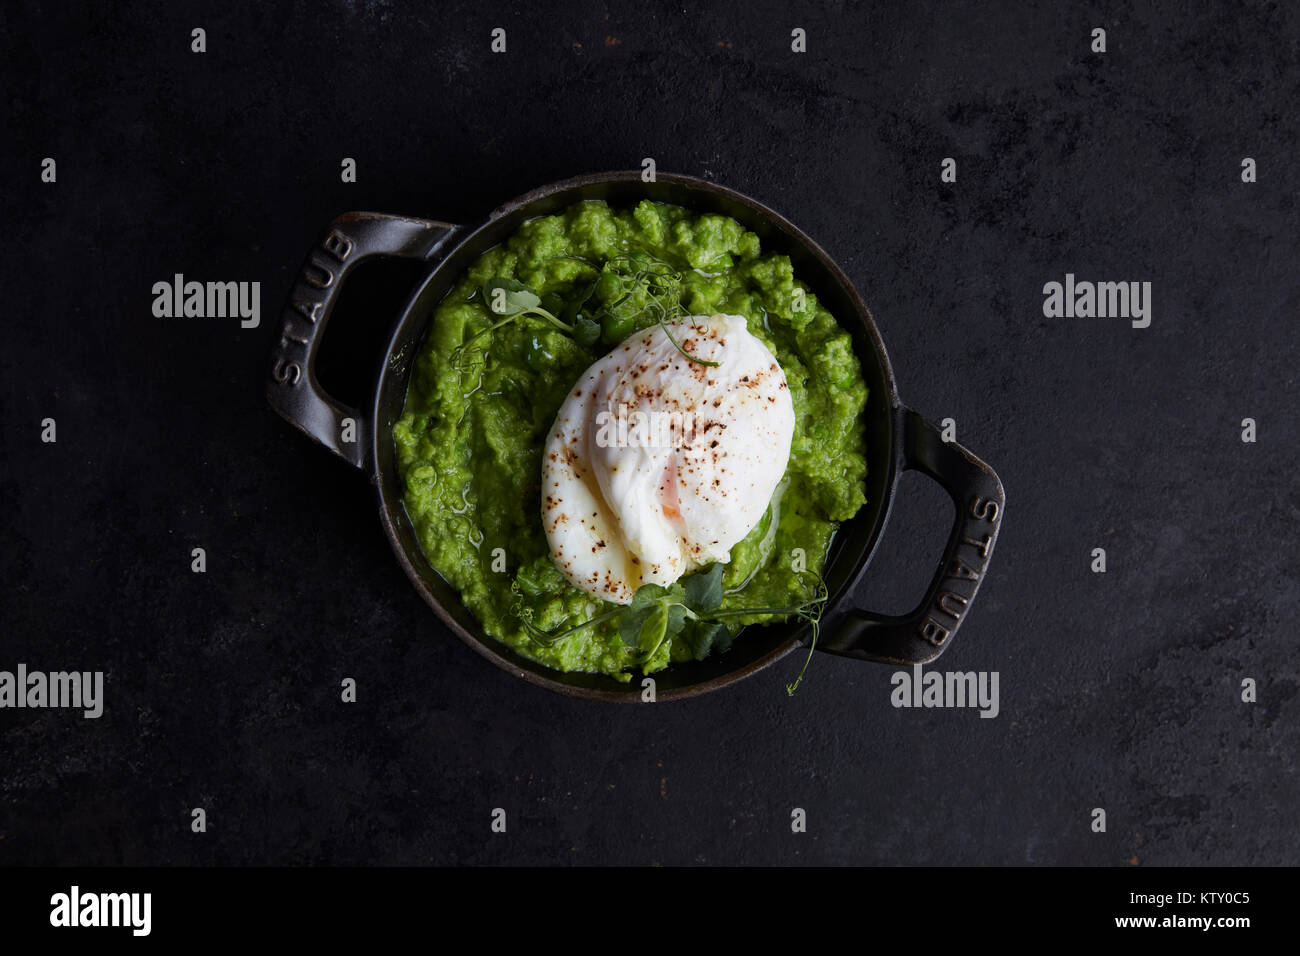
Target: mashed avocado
{"x":469,"y":442}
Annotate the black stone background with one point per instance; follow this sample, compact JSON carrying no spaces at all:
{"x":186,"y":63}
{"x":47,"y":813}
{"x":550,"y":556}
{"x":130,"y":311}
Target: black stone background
{"x":1118,"y":690}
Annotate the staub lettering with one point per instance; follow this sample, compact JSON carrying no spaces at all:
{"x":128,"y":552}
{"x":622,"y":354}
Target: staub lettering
{"x":949,"y":605}
{"x":305,"y":307}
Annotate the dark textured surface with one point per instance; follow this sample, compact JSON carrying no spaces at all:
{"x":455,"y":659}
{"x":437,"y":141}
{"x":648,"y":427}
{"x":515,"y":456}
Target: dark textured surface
{"x":1118,"y":690}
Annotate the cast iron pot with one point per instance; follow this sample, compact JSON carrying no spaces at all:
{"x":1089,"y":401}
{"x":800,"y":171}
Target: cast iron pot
{"x":898,"y":439}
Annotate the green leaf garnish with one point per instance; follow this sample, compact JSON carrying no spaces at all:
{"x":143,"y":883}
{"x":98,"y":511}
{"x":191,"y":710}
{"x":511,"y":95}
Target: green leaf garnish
{"x":812,"y":613}
{"x":706,"y":637}
{"x":687,"y":610}
{"x":703,"y":589}
{"x":698,"y":361}
{"x":662,"y":284}
{"x":644,"y":623}
{"x":586,"y":331}
{"x":626,"y":290}
{"x":651,"y":630}
{"x":549,"y":638}
{"x":511,"y":298}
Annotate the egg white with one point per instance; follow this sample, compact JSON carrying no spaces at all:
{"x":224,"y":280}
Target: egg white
{"x":657,"y":465}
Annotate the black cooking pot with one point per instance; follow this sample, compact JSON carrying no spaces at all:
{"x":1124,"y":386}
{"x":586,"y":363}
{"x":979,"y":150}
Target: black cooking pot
{"x":898,"y":439}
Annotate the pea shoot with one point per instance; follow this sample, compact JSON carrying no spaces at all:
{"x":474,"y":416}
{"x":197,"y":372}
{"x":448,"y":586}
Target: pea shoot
{"x":690,"y":610}
{"x":611,"y":306}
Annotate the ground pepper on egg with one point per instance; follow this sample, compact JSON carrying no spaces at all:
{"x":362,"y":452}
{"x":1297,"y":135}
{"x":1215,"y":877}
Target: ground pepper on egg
{"x":470,"y":439}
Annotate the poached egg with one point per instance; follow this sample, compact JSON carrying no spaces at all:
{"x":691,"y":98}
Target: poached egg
{"x":657,"y":465}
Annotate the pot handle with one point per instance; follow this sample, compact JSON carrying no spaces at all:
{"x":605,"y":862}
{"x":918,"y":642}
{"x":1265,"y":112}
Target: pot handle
{"x":923,"y":635}
{"x":292,"y":388}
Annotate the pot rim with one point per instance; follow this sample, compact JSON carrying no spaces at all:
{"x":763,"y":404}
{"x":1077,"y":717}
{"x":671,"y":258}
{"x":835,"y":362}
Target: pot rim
{"x":500,"y":653}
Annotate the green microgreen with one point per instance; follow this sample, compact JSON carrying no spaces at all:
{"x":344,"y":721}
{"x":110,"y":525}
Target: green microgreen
{"x":624,"y":291}
{"x":663,"y":292}
{"x":688,"y":610}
